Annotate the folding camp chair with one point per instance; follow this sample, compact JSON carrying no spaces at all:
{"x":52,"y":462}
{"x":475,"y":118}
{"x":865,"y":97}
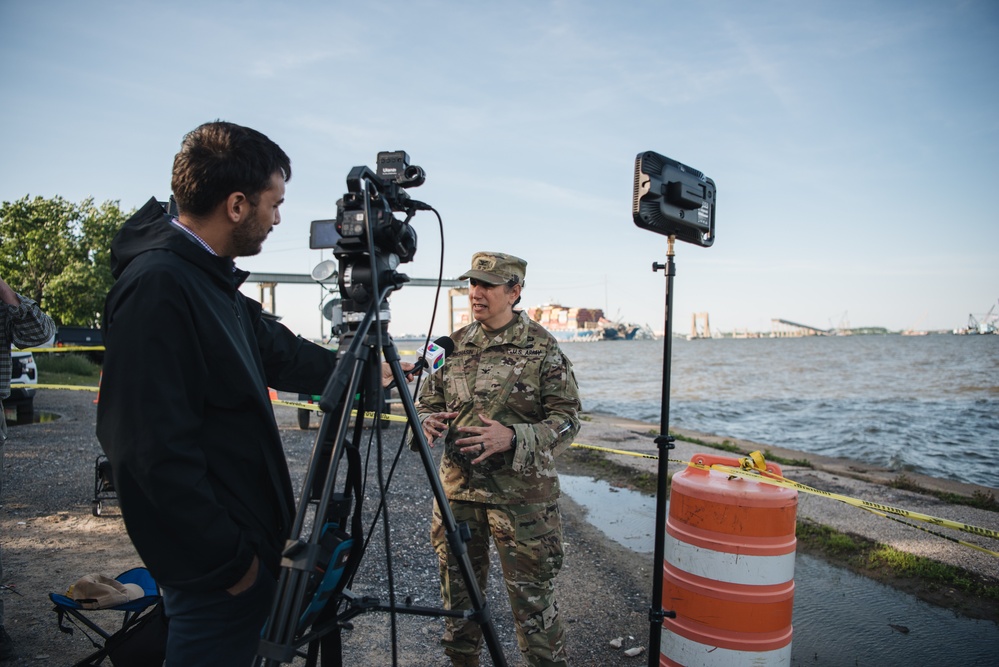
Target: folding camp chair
{"x":67,"y":607}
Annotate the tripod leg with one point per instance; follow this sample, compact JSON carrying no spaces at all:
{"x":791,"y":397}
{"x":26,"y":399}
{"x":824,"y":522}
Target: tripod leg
{"x":312,"y":654}
{"x":332,"y":649}
{"x":280,"y":637}
{"x":300,"y":555}
{"x":480,"y":611}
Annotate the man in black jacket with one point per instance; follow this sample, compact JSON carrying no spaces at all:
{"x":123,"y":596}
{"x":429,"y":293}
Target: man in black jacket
{"x":184,"y":413}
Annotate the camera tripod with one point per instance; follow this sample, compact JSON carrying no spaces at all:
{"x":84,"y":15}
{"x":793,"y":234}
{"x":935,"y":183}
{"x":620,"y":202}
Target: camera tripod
{"x":317,"y":567}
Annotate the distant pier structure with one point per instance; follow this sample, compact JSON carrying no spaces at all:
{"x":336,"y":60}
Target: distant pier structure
{"x":786,"y":329}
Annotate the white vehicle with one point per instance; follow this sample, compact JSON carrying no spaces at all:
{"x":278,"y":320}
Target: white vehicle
{"x":20,"y":405}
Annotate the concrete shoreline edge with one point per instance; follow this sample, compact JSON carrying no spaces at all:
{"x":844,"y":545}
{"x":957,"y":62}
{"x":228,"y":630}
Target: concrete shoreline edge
{"x":853,"y":468}
{"x":920,"y":493}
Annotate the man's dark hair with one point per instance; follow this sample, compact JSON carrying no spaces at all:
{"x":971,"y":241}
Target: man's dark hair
{"x":219,"y":158}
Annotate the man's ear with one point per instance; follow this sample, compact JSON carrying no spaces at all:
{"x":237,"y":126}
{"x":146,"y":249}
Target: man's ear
{"x":237,"y":207}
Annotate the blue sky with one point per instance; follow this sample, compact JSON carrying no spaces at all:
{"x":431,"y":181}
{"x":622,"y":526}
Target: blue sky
{"x":855,"y":145}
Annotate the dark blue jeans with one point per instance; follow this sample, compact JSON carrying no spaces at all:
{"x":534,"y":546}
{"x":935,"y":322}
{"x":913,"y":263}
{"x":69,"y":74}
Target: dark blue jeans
{"x":216,"y":629}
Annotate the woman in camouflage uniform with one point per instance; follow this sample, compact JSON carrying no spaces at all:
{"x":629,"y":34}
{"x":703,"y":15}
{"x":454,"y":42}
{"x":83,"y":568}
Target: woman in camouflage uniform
{"x":506,"y":405}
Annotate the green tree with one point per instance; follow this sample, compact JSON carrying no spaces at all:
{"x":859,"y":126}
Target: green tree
{"x":58,"y":253}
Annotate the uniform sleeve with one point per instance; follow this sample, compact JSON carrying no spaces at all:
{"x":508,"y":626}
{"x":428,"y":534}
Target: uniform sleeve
{"x":538,"y":444}
{"x":430,"y":400}
{"x":431,"y":397}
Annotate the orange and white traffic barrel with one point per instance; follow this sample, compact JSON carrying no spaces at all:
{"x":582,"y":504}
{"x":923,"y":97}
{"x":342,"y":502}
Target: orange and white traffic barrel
{"x":728,"y":569}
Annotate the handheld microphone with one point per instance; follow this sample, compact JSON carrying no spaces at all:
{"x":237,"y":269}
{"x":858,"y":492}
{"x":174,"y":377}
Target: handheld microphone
{"x":433,"y":356}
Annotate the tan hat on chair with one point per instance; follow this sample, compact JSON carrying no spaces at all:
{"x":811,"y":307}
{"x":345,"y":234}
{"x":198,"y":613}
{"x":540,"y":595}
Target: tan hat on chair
{"x":98,"y":591}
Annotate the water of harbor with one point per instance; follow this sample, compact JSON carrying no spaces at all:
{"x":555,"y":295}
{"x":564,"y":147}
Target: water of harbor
{"x":839,"y":618}
{"x":928,"y":404}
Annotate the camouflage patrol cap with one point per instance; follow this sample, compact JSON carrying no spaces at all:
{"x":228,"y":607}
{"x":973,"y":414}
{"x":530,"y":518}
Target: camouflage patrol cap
{"x":495,"y":268}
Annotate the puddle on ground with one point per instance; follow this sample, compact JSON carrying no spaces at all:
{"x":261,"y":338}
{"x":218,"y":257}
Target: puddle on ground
{"x":623,"y":515}
{"x":840,"y":618}
{"x":45,"y":417}
{"x":37,"y":417}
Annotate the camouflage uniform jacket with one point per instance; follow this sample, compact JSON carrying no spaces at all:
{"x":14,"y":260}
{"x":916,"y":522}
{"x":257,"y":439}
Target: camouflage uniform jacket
{"x":520,"y":378}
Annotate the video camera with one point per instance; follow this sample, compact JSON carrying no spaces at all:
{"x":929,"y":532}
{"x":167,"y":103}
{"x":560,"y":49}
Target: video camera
{"x":366,"y":228}
{"x":364,"y":216}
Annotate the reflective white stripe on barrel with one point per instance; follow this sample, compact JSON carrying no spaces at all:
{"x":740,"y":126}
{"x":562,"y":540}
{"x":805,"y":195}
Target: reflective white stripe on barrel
{"x":682,"y":651}
{"x":729,"y":567}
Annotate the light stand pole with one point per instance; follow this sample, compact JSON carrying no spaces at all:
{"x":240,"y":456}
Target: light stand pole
{"x":664,"y":441}
{"x":678,"y":202}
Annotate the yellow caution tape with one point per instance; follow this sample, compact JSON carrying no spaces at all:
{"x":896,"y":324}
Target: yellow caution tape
{"x":754,"y":461}
{"x":753,"y":466}
{"x":71,"y":387}
{"x":615,"y":451}
{"x":302,"y":405}
{"x":291,"y":404}
{"x":67,"y":348}
{"x":385,"y":417}
{"x":932,"y":532}
{"x":876,"y":508}
{"x":101,"y":348}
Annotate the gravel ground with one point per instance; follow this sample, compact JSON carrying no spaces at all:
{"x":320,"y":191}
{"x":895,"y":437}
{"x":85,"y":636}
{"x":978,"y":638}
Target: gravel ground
{"x":51,"y":538}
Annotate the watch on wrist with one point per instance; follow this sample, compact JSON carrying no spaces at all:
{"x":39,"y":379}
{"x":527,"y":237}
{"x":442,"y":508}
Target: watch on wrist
{"x":513,"y":441}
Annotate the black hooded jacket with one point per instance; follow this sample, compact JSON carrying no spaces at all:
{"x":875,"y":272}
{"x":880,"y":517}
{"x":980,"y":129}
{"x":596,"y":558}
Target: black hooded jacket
{"x":184,"y":413}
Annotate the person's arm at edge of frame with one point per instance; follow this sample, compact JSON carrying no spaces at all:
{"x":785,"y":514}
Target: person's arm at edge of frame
{"x":30,"y":326}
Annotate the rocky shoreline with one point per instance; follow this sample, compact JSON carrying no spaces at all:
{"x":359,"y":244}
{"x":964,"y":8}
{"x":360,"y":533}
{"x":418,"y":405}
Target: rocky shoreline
{"x":50,"y":538}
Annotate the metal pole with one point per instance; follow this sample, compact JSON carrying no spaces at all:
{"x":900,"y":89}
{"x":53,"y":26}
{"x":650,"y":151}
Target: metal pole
{"x":665,"y":443}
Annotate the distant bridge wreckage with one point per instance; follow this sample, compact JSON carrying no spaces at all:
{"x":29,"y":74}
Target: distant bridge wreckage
{"x":787,"y":329}
{"x":700,"y":326}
